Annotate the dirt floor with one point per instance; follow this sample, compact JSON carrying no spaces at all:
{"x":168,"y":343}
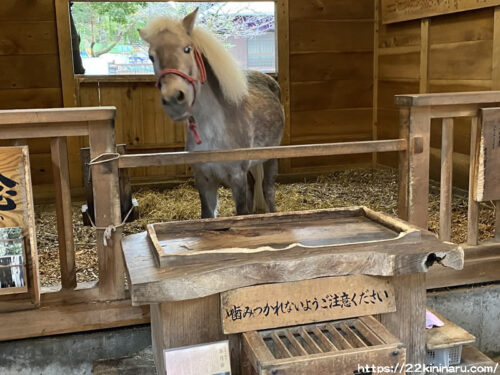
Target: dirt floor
{"x":376,"y":189}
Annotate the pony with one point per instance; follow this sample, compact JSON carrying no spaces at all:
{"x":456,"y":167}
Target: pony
{"x":222,"y":106}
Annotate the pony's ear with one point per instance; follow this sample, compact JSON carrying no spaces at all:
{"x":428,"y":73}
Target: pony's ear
{"x":143,"y":34}
{"x":189,"y":20}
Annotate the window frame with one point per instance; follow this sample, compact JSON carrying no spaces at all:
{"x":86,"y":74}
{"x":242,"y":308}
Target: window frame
{"x":132,"y":78}
{"x":70,"y":83}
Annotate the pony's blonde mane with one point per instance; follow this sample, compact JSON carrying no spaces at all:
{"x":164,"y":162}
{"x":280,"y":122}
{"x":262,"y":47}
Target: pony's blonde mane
{"x":232,"y":79}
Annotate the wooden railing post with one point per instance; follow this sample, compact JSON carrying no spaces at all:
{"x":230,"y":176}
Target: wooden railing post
{"x":497,"y":221}
{"x":446,"y":180}
{"x":404,"y":126}
{"x":473,"y":209}
{"x":59,"y":156}
{"x":419,"y":124}
{"x":105,"y":183}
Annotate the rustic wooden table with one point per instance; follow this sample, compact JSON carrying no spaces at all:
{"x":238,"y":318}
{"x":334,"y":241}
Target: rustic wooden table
{"x":184,"y":293}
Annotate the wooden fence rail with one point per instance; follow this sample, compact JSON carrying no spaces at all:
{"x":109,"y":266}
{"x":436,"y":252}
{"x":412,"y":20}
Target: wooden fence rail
{"x":260,"y":153}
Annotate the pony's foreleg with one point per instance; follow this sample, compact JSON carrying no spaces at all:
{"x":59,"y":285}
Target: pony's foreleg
{"x":207,"y":189}
{"x":270,"y":174}
{"x":258,"y":203}
{"x":239,"y":186}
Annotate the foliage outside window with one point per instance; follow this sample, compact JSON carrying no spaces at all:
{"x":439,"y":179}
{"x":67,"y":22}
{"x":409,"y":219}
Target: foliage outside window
{"x":110,"y":43}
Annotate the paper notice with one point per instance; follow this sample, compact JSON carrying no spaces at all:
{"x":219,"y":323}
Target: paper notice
{"x":204,"y":359}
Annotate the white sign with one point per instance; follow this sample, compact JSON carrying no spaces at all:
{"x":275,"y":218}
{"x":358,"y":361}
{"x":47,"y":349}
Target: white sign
{"x":203,"y":359}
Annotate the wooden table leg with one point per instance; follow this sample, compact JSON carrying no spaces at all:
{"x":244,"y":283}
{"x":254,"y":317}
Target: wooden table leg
{"x":191,"y":322}
{"x":408,"y":322}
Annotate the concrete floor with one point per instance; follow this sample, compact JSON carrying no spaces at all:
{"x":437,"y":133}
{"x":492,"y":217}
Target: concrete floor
{"x":477,"y":310}
{"x":71,"y":354}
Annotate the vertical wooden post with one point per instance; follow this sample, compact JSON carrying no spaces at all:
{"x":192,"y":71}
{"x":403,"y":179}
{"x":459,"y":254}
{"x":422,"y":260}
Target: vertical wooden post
{"x":473,"y":209}
{"x":107,"y":210}
{"x":404,"y":126}
{"x":283,"y":48}
{"x":446,"y":180}
{"x":497,"y":221}
{"x":59,"y":156}
{"x":408,"y":322}
{"x":418,"y":122}
{"x":495,"y":70}
{"x":376,"y":31}
{"x":424,"y":55}
{"x":65,"y":52}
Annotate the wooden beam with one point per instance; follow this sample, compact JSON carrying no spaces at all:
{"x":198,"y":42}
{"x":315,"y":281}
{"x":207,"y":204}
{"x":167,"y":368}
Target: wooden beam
{"x":57,"y":319}
{"x":64,"y":214}
{"x":45,"y":130}
{"x":56,"y":115}
{"x":495,"y":72}
{"x":283,"y":48}
{"x":260,"y":153}
{"x":446,"y":180}
{"x":452,"y":98}
{"x":376,"y":49}
{"x":65,"y":52}
{"x":424,"y":55}
{"x":405,"y":10}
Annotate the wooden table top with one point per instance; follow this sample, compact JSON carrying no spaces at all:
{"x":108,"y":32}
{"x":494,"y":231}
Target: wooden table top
{"x":150,"y":283}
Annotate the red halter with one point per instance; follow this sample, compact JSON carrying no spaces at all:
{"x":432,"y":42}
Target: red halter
{"x":191,"y":80}
{"x":187,"y":77}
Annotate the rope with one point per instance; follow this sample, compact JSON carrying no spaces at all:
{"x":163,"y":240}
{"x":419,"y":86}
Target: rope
{"x":112,"y":156}
{"x":108,"y":231}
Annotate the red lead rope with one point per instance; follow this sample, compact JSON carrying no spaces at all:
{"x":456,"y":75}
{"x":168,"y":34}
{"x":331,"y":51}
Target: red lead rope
{"x":191,"y":80}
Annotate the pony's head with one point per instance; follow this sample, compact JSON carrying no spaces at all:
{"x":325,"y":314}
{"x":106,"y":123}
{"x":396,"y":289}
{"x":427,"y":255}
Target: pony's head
{"x":175,"y":48}
{"x":171,"y":47}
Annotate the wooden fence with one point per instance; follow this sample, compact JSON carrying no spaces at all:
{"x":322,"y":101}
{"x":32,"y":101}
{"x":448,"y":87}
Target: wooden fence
{"x":482,"y":261}
{"x":106,"y":303}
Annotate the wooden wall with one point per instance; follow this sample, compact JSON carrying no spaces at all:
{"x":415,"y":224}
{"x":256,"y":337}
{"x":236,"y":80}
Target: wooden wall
{"x":334,"y":94}
{"x":441,"y":54}
{"x":331,"y":77}
{"x":29,"y":68}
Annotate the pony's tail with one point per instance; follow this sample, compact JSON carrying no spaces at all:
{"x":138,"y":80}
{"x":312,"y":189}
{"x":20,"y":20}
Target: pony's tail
{"x":259,"y":202}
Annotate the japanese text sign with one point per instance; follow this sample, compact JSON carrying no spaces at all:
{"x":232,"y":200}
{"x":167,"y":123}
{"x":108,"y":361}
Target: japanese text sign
{"x":279,"y":305}
{"x":13,"y":195}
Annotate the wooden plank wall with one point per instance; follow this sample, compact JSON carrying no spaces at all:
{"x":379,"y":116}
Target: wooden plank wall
{"x":331,"y":78}
{"x":29,"y":66}
{"x":441,"y":54}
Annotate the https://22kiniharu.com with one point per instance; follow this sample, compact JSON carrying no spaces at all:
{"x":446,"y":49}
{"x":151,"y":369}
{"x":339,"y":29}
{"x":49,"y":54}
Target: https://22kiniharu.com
{"x":409,"y":368}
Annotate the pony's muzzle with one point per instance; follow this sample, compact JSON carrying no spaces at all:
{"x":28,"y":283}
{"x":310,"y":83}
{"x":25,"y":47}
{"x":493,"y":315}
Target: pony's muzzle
{"x":177,"y":98}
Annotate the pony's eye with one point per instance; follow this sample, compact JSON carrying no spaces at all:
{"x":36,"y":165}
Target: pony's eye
{"x":187,"y":49}
{"x":152,"y":59}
